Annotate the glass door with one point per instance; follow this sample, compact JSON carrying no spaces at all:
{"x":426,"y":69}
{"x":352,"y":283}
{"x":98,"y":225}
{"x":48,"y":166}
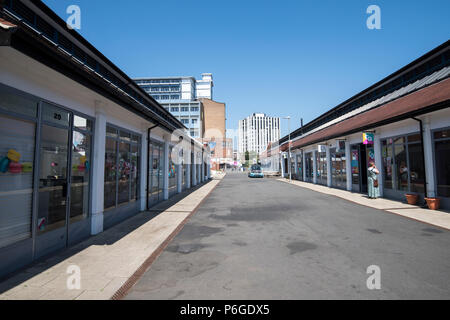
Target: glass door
{"x":53,"y":189}
{"x":63,"y":180}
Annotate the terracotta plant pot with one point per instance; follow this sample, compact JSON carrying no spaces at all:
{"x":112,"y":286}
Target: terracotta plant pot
{"x":433,"y":203}
{"x":412,"y":198}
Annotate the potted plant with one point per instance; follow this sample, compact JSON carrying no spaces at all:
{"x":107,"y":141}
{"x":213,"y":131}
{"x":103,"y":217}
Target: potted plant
{"x":433,"y":203}
{"x":412,"y":198}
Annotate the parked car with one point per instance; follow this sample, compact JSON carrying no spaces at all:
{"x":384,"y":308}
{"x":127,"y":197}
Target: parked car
{"x":256,"y":172}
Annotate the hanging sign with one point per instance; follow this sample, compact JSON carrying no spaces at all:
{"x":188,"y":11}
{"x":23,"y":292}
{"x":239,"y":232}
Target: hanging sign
{"x":368,"y":138}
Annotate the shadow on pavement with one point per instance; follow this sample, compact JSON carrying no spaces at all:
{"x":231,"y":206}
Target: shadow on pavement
{"x":106,"y":238}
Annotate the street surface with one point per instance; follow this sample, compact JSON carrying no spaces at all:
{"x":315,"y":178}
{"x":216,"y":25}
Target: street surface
{"x":264,"y":239}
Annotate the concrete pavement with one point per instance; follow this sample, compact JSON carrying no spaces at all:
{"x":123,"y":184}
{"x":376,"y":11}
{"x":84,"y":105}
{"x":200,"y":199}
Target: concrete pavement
{"x":262,"y":239}
{"x":108,"y":262}
{"x":437,"y":218}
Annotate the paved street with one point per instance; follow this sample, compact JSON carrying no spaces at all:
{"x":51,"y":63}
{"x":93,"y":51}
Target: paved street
{"x":264,"y":239}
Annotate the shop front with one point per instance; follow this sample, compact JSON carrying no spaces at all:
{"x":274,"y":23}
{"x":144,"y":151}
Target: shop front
{"x":322,"y":166}
{"x":309,"y":167}
{"x":299,"y":167}
{"x":156,"y":177}
{"x":441,"y":151}
{"x":361,"y":155}
{"x":45,"y":174}
{"x":403,"y":167}
{"x":121,"y":182}
{"x":338,"y":168}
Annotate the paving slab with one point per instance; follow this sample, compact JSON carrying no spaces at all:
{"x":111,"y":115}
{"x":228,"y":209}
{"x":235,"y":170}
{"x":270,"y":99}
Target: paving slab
{"x":433,"y":217}
{"x":107,"y":261}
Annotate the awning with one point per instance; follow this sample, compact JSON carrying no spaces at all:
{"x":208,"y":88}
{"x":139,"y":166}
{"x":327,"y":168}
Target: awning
{"x":436,"y":96}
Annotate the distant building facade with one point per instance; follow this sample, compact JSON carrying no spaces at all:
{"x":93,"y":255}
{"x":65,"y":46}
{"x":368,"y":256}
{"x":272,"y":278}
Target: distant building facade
{"x":215,"y":135}
{"x":257,"y":131}
{"x":180,"y":96}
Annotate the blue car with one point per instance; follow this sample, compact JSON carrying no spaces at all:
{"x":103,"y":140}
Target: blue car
{"x":256,"y":172}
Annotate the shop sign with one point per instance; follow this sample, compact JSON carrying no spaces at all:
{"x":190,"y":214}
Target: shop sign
{"x":368,"y":138}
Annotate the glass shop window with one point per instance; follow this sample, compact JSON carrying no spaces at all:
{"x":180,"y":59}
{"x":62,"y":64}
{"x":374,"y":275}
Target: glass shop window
{"x":14,"y":103}
{"x":16,"y":178}
{"x":122,"y":158}
{"x":442,"y":162}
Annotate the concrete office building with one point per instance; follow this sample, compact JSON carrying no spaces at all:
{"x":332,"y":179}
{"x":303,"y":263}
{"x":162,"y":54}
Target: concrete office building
{"x":257,"y":131}
{"x":181,"y":97}
{"x":83,"y":147}
{"x":402,"y":123}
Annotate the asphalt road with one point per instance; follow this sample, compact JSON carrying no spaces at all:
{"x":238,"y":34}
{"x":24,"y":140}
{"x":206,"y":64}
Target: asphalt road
{"x":264,"y":239}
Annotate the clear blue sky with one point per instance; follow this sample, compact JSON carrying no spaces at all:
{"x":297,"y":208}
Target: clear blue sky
{"x":297,"y":58}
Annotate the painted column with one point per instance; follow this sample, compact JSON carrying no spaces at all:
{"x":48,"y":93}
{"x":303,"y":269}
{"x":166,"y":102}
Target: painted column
{"x":348,"y":165}
{"x":143,"y":169}
{"x":328,"y":155}
{"x":166,"y":170}
{"x":208,"y":170}
{"x":194,"y":170}
{"x":179,"y":176}
{"x":379,"y":161}
{"x":202,"y":170}
{"x":188,"y":158}
{"x":304,"y":164}
{"x":429,"y":162}
{"x":295,"y":164}
{"x":314,"y":167}
{"x":283,"y":169}
{"x":98,"y":172}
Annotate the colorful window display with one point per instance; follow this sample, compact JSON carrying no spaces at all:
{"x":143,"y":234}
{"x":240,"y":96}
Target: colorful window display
{"x":47,"y":181}
{"x":338,"y":168}
{"x":16,"y":178}
{"x":403,"y":167}
{"x":122,"y":156}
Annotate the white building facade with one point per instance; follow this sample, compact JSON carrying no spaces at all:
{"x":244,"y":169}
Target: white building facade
{"x":83,"y":147}
{"x":180,"y":96}
{"x":401,"y":123}
{"x":257,"y":131}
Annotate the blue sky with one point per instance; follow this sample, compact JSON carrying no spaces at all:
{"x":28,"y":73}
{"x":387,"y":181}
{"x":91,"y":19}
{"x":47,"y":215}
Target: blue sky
{"x":284,"y":58}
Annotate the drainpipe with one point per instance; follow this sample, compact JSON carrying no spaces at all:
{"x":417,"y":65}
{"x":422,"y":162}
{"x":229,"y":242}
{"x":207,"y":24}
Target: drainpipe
{"x":423,"y":156}
{"x":148,"y":162}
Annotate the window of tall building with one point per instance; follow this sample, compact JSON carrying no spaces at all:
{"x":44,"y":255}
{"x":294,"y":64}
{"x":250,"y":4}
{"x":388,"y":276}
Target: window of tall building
{"x":175,"y":109}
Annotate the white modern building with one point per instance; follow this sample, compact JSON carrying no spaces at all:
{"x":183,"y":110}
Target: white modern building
{"x":180,"y":96}
{"x":401,"y":123}
{"x":257,"y":131}
{"x":83,"y":147}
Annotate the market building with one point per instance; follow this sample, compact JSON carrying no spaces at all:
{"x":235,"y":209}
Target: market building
{"x":83,"y":146}
{"x":402,"y":123}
